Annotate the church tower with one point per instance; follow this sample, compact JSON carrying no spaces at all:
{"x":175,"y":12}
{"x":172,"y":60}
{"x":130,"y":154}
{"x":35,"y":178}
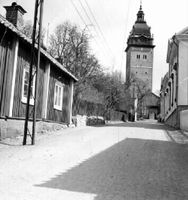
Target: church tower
{"x":139,"y":52}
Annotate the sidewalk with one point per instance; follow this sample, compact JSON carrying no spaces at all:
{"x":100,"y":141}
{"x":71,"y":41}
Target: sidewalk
{"x":178,"y":136}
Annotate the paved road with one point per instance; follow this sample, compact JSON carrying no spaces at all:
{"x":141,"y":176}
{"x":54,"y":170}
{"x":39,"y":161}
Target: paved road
{"x":120,"y":161}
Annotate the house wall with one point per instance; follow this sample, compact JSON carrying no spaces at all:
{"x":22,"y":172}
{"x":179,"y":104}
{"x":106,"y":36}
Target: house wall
{"x":24,"y":62}
{"x":6,"y":63}
{"x":183,"y":74}
{"x":184,"y":120}
{"x":53,"y":114}
{"x":175,"y":87}
{"x":162,"y":113}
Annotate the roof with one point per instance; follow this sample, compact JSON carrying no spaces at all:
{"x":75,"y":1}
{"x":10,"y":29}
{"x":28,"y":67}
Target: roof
{"x":140,"y":34}
{"x":140,"y":27}
{"x":174,"y":42}
{"x":151,"y":99}
{"x":23,"y":37}
{"x":183,"y":31}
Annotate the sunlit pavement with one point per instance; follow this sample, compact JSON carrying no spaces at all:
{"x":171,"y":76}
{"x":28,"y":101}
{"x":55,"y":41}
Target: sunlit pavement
{"x":120,"y":161}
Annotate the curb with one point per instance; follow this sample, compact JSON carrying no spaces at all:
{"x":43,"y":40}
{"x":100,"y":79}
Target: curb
{"x":170,"y":137}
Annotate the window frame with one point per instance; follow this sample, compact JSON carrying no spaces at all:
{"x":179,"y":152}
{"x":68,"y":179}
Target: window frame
{"x":24,"y":98}
{"x":145,"y":57}
{"x":58,"y":105}
{"x":138,"y":56}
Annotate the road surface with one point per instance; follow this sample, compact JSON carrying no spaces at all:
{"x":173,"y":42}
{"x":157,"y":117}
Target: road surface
{"x":120,"y":161}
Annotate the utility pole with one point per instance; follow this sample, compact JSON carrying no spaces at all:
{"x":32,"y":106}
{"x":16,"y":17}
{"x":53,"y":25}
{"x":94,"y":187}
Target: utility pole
{"x":37,"y":69}
{"x":38,"y":3}
{"x":135,"y":108}
{"x":135,"y":101}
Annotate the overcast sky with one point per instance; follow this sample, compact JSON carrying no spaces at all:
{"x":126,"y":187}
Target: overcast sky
{"x":115,"y":19}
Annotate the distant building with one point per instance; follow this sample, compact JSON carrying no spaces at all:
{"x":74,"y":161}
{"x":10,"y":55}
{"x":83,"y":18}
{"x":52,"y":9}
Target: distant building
{"x":174,"y":86}
{"x":148,"y":106}
{"x":55,"y":88}
{"x":140,"y":51}
{"x":163,"y":107}
{"x":139,"y":66}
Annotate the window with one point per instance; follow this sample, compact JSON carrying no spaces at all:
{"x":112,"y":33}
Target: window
{"x":144,"y":57}
{"x":25,"y":86}
{"x":138,"y":56}
{"x":58,"y":96}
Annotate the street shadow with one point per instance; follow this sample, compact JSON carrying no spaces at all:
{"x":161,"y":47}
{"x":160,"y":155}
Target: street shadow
{"x":133,"y":169}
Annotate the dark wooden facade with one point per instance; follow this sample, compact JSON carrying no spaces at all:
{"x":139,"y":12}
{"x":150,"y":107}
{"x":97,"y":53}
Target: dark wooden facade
{"x":54,"y":114}
{"x":15,"y":51}
{"x":24,"y":62}
{"x":6,"y":60}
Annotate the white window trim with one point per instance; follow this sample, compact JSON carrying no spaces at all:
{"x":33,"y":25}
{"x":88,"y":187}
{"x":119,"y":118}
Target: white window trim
{"x":24,"y":99}
{"x":59,"y":107}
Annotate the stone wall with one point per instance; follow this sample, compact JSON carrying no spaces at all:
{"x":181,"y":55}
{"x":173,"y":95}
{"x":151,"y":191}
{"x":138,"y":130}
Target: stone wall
{"x":79,"y":120}
{"x":174,"y":118}
{"x":12,"y":128}
{"x":83,"y":120}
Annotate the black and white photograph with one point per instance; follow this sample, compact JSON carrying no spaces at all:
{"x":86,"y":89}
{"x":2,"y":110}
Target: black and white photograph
{"x":93,"y":100}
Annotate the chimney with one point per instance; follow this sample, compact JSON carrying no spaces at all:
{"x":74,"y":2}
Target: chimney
{"x":14,"y":14}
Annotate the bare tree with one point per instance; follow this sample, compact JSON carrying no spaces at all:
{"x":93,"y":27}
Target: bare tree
{"x":70,"y":46}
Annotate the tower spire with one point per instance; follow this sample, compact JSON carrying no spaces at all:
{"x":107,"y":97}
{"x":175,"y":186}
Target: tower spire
{"x":140,"y":4}
{"x":140,"y":14}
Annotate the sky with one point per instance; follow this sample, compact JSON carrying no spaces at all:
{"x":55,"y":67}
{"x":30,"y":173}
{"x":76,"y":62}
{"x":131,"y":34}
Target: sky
{"x":109,"y":24}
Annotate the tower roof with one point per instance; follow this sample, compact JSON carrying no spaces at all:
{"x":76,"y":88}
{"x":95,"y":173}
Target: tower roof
{"x":140,"y":27}
{"x":140,"y":34}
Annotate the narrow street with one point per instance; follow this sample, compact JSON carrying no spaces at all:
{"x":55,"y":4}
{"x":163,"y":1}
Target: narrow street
{"x":119,"y":161}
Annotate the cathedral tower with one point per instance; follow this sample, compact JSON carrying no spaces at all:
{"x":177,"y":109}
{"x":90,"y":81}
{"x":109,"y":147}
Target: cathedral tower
{"x":139,"y":52}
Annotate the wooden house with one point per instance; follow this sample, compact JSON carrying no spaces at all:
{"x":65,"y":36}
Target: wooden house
{"x":55,"y":88}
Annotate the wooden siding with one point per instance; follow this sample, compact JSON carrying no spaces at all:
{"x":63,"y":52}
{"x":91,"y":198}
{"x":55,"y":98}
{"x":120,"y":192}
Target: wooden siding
{"x":24,"y":62}
{"x":6,"y":67}
{"x":52,"y":113}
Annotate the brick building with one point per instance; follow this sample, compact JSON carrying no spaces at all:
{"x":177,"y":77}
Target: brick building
{"x":139,"y":63}
{"x":140,"y":51}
